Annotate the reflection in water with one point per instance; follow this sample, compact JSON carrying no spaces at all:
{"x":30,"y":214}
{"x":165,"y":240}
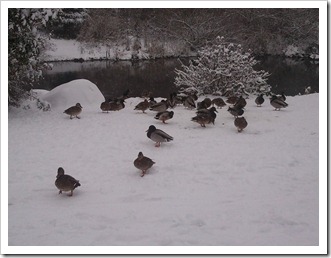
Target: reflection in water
{"x":290,"y":75}
{"x":157,"y":76}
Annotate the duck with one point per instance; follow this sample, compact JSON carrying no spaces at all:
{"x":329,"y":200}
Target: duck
{"x":160,"y":106}
{"x":143,"y":163}
{"x":158,"y":135}
{"x":210,"y":111}
{"x":172,"y":100}
{"x":151,"y":101}
{"x":202,"y":120}
{"x":259,"y":100}
{"x":65,"y":183}
{"x":117,"y":105}
{"x":281,"y":96}
{"x":105,"y":106}
{"x":164,"y":116}
{"x":277,"y":102}
{"x":236,"y":112}
{"x":232,"y":100}
{"x":241,"y":103}
{"x":218,"y":102}
{"x":189,"y":102}
{"x":240,"y":123}
{"x":74,"y":111}
{"x":205,"y":116}
{"x":206,"y":103}
{"x":143,"y":106}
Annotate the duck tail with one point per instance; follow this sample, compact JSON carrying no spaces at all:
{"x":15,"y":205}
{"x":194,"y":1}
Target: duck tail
{"x":77,"y":184}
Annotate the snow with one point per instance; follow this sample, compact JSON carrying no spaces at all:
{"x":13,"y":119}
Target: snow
{"x":68,"y":50}
{"x":62,"y":50}
{"x":82,"y":91}
{"x":210,"y":186}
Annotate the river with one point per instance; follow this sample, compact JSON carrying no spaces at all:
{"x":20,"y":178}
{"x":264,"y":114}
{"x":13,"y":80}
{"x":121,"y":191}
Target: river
{"x":112,"y":78}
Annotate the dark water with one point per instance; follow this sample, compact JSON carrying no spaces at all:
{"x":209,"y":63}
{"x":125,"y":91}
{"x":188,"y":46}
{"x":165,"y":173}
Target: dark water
{"x":157,"y":76}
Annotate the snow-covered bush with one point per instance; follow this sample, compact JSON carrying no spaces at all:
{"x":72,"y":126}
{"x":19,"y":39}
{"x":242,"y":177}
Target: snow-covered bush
{"x":25,"y":44}
{"x":222,"y":67}
{"x":293,"y":51}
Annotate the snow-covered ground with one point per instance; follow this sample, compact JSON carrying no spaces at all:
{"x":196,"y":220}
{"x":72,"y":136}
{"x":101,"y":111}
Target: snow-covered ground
{"x":210,"y":186}
{"x":61,"y":50}
{"x":64,"y":50}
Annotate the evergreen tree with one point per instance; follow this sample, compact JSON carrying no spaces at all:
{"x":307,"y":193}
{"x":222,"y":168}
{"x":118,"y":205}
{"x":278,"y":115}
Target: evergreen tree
{"x":224,"y":68}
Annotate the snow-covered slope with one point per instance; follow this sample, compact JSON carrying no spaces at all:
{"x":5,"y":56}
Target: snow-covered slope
{"x":210,"y":186}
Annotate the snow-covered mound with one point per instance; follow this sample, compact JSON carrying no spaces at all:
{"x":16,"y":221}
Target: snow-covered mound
{"x":77,"y":91}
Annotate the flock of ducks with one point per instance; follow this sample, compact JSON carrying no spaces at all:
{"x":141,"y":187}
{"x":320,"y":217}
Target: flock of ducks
{"x":205,"y":114}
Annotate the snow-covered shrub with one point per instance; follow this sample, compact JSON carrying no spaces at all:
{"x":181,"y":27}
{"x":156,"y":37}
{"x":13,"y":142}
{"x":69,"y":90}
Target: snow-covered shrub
{"x":25,"y":44}
{"x":293,"y":51}
{"x":222,"y":67}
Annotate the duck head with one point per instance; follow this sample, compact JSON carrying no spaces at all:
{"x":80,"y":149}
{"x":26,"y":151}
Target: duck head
{"x":151,"y":129}
{"x":60,"y":172}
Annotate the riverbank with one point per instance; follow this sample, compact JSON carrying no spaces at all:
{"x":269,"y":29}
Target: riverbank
{"x":73,"y":50}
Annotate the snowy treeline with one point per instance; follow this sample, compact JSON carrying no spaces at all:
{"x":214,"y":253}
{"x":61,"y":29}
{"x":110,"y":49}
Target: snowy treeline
{"x":264,"y":31}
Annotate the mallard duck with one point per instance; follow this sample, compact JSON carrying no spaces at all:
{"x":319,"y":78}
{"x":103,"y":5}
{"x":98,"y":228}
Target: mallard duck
{"x":241,"y":103}
{"x":117,"y":105}
{"x":218,"y":102}
{"x":151,"y":101}
{"x":282,"y":96}
{"x":143,"y":106}
{"x":65,"y":183}
{"x":277,"y":102}
{"x":202,"y":120}
{"x":240,"y":123}
{"x":236,"y":112}
{"x":232,"y":100}
{"x":105,"y":106}
{"x":158,"y":135}
{"x":211,"y":111}
{"x":143,"y":163}
{"x":205,"y":116}
{"x":206,"y":103}
{"x":259,"y":100}
{"x":74,"y":111}
{"x":172,"y":100}
{"x":160,"y":106}
{"x":189,"y":102}
{"x":164,"y":116}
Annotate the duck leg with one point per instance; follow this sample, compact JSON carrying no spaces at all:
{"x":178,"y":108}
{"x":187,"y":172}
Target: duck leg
{"x":143,"y":173}
{"x":157,"y":144}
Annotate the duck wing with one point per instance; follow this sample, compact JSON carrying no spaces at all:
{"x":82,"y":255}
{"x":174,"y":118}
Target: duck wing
{"x":161,"y":135}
